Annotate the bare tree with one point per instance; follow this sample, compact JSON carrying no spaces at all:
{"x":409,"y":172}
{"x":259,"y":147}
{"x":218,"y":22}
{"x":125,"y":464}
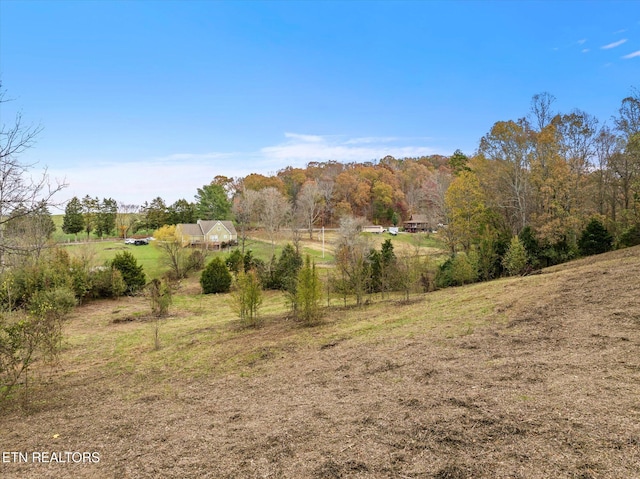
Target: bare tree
{"x":351,"y":251}
{"x":244,"y":208}
{"x":19,"y":190}
{"x":29,"y":231}
{"x":126,"y":217}
{"x":309,"y":204}
{"x":326,"y":187}
{"x":275,"y":210}
{"x":607,"y":144}
{"x":541,"y":112}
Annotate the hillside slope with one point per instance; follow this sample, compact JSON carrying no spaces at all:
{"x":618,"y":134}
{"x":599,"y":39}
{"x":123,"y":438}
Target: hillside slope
{"x":533,"y":377}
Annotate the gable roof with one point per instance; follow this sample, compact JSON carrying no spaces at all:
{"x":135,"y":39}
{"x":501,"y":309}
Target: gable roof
{"x":207,"y":225}
{"x":190,"y":229}
{"x":230,"y":227}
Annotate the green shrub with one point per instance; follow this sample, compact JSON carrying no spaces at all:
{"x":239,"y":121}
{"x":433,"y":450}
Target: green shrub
{"x":216,"y":277}
{"x":463,"y":270}
{"x":235,"y":261}
{"x":106,"y":282}
{"x":629,"y":237}
{"x":132,"y":273}
{"x":455,"y":271}
{"x":54,"y":303}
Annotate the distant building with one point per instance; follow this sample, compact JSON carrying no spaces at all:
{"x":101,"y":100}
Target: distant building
{"x":207,"y":233}
{"x":417,"y":224}
{"x":373,"y":229}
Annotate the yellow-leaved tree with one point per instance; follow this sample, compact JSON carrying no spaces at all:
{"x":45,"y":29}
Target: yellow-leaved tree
{"x":465,"y":204}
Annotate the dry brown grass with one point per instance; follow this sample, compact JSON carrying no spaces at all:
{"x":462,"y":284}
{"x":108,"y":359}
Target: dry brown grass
{"x":535,"y":377}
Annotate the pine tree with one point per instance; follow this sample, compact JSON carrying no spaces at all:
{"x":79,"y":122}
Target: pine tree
{"x":216,"y":277}
{"x":73,"y":221}
{"x":595,"y":239}
{"x":515,"y":259}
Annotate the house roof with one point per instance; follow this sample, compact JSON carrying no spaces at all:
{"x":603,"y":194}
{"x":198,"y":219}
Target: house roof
{"x":207,"y":225}
{"x":230,"y":227}
{"x":190,"y":229}
{"x":418,"y":219}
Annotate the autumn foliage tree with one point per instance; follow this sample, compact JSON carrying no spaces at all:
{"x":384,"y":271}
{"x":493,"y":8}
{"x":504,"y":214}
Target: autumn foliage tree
{"x":466,"y":206}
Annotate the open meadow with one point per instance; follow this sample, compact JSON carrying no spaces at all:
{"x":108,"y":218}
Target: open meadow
{"x":530,"y":377}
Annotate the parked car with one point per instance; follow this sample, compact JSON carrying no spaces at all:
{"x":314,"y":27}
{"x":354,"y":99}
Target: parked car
{"x":136,"y":241}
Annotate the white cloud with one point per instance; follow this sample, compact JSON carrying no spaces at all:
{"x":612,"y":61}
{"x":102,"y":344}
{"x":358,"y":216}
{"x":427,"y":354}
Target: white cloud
{"x":582,"y":41}
{"x":614,"y":44}
{"x":300,"y":152}
{"x":585,"y":50}
{"x":306,"y":138}
{"x":370,"y":139}
{"x":178,"y":175}
{"x":632,"y":55}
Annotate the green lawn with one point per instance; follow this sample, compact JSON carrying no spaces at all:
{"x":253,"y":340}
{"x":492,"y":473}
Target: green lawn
{"x":100,"y":251}
{"x":263,"y":250}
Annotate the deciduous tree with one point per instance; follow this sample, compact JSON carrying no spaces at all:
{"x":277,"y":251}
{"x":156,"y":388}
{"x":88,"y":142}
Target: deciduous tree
{"x":18,"y":186}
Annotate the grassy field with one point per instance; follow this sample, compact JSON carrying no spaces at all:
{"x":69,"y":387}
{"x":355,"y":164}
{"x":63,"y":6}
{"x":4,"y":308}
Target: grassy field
{"x":532,"y":377}
{"x":101,"y":251}
{"x":151,"y":259}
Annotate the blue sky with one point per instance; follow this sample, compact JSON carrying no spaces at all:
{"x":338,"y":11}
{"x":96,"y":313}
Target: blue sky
{"x":144,"y":99}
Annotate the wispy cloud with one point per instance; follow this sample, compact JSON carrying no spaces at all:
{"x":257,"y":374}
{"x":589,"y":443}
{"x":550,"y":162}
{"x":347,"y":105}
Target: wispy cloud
{"x":632,"y":55}
{"x":305,"y":138}
{"x":370,"y":139}
{"x":620,"y":31}
{"x":614,"y":44}
{"x":582,"y":41}
{"x":178,"y":175}
{"x":585,"y":50}
{"x":300,"y":151}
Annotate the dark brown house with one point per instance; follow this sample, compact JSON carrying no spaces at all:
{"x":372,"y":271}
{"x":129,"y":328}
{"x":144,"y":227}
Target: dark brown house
{"x":417,"y":224}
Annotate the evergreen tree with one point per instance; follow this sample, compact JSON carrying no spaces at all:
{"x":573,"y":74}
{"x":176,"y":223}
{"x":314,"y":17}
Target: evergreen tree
{"x":106,"y":217}
{"x":90,"y":208}
{"x":595,"y":239}
{"x":73,"y":221}
{"x":247,"y":297}
{"x":235,"y":261}
{"x":285,"y":274}
{"x":308,"y":293}
{"x":515,"y":259}
{"x":216,"y":277}
{"x":212,"y":203}
{"x":132,"y":273}
{"x":155,"y":214}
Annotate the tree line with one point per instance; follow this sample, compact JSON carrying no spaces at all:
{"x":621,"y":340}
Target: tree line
{"x":548,"y":171}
